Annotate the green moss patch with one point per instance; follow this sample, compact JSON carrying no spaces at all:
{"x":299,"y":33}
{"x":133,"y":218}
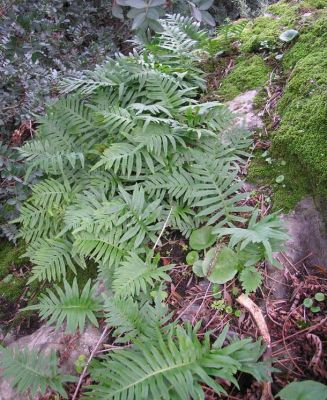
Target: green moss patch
{"x":263,"y":32}
{"x":249,"y":73}
{"x":288,"y":192}
{"x":313,"y":38}
{"x":303,"y":130}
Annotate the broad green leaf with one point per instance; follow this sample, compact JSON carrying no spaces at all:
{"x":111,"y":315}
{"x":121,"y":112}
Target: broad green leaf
{"x":192,"y":257}
{"x":305,"y":390}
{"x":220,"y":265}
{"x":198,"y":268}
{"x":288,"y":35}
{"x":202,"y":238}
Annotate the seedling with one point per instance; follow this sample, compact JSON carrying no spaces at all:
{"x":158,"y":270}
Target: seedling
{"x":309,"y":302}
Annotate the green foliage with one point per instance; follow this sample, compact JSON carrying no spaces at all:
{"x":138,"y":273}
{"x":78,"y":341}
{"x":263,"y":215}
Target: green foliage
{"x":32,"y":371}
{"x":220,"y":264}
{"x":305,"y":390}
{"x":202,"y":238}
{"x":68,"y":305}
{"x":251,"y":279}
{"x":133,"y":320}
{"x":136,"y":276}
{"x":173,"y":367}
{"x":289,"y":35}
{"x":146,"y":13}
{"x":192,"y":257}
{"x":128,"y":152}
{"x":154,"y":135}
{"x":248,"y":73}
{"x":267,"y":232}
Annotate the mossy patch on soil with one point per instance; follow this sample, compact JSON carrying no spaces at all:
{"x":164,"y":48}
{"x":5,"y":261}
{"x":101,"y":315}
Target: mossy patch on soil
{"x":287,"y":193}
{"x":249,"y":73}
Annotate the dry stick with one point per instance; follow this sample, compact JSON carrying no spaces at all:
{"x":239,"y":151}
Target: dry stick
{"x":95,"y":349}
{"x":256,"y":313}
{"x":162,"y":230}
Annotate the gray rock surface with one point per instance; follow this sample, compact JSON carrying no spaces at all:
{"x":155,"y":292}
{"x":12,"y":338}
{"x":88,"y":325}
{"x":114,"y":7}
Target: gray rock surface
{"x":307,"y":227}
{"x":68,"y":347}
{"x":242,"y":105}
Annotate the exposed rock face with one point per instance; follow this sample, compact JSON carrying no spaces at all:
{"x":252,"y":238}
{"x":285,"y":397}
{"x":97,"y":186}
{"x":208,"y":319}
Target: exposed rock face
{"x":308,"y":231}
{"x":242,"y":105}
{"x":68,"y":346}
{"x":223,"y":9}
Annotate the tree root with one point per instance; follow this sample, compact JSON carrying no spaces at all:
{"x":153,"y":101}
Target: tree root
{"x":259,"y":319}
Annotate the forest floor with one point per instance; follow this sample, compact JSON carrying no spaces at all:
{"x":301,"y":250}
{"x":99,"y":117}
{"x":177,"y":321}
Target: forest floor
{"x":297,"y":328}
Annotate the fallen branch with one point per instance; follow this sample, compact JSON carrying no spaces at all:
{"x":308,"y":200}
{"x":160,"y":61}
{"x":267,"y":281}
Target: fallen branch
{"x":259,"y":319}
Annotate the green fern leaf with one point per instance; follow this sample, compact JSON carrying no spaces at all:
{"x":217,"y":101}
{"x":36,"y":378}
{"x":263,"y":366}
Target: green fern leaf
{"x":32,"y":371}
{"x":134,"y":275}
{"x":68,"y":305}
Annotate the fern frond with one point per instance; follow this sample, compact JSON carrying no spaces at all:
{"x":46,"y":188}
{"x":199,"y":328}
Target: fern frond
{"x":68,"y":305}
{"x":165,"y":92}
{"x":43,"y":155}
{"x":32,"y":371}
{"x":268,"y":232}
{"x":135,"y":275}
{"x":106,"y":248}
{"x":132,"y":320}
{"x":172,"y":367}
{"x":217,"y":193}
{"x":38,"y":222}
{"x":51,"y":258}
{"x":51,"y":193}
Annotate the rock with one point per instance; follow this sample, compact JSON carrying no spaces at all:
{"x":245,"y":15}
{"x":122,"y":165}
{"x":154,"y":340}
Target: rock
{"x":307,"y":228}
{"x":68,"y":347}
{"x":243,"y":106}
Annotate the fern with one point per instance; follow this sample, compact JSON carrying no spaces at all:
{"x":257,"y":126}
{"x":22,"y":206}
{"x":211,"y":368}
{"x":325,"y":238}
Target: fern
{"x":173,"y":367}
{"x":135,"y":275}
{"x":31,"y":371}
{"x":68,"y":305}
{"x":132,"y":320}
{"x":129,"y":150}
{"x":51,"y":257}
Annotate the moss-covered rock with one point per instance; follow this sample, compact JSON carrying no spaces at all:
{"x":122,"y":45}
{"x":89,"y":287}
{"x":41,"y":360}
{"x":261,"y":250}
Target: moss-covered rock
{"x":313,"y":38}
{"x":249,"y":73}
{"x":303,"y":130}
{"x":288,"y":192}
{"x":263,"y":32}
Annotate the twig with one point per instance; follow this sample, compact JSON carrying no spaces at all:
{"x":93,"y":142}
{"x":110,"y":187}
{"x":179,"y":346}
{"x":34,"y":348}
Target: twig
{"x":201,"y":305}
{"x":162,"y":230}
{"x":94,"y":351}
{"x":256,"y":313}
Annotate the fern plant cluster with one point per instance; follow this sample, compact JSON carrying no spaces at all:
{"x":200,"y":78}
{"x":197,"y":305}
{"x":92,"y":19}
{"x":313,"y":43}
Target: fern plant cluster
{"x":129,"y":151}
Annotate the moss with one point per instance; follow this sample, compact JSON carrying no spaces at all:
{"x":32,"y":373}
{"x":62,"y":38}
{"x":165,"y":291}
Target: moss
{"x":249,"y":73}
{"x":315,"y":4}
{"x":263,"y":32}
{"x":313,"y":38}
{"x":285,"y":10}
{"x":302,"y":133}
{"x":10,"y":255}
{"x":260,"y":99}
{"x":285,"y":194}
